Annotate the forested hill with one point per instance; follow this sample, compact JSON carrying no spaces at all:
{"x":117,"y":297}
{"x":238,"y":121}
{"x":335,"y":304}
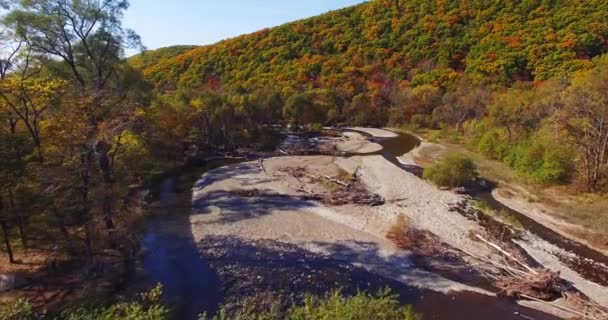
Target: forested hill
{"x":149,"y":58}
{"x":416,"y":40}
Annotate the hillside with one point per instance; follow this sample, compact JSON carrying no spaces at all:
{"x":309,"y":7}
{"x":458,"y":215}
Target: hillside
{"x":149,"y":58}
{"x":414,"y":40}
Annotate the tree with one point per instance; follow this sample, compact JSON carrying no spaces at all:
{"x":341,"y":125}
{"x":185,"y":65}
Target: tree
{"x":585,"y":119}
{"x":13,"y":146}
{"x":88,"y":38}
{"x":29,"y":98}
{"x":421,"y":100}
{"x":300,"y":108}
{"x":509,"y":109}
{"x":5,"y":235}
{"x":467,"y":101}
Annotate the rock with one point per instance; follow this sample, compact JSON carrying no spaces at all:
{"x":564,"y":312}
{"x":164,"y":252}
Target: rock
{"x":11,"y":281}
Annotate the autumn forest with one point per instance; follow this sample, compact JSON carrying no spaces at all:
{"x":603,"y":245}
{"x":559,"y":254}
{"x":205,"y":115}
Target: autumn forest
{"x":84,"y":128}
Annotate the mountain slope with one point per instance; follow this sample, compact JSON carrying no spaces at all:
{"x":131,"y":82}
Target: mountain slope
{"x":404,"y":40}
{"x":149,"y":58}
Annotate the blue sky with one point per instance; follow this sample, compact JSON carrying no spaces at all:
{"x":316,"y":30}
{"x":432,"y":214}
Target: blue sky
{"x":163,"y":23}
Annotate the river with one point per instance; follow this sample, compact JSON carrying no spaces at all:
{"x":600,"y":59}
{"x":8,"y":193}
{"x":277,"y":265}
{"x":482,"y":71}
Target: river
{"x":192,"y":285}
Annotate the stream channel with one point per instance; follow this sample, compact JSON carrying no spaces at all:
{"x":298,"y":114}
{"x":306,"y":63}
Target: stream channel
{"x":192,"y":286}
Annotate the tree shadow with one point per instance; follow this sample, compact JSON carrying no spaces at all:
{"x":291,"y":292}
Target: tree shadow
{"x":198,"y":277}
{"x":227,"y":172}
{"x":275,"y":269}
{"x":236,"y":208}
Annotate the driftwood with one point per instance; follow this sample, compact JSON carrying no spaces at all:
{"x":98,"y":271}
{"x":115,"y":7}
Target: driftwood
{"x":262,"y":166}
{"x":506,"y":254}
{"x":296,"y":172}
{"x":518,"y":280}
{"x":545,"y":285}
{"x":355,"y":193}
{"x":344,"y":184}
{"x":594,"y":315}
{"x":257,"y":193}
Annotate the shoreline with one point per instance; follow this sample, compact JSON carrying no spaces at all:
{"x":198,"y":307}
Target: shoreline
{"x":333,"y":227}
{"x":534,"y":211}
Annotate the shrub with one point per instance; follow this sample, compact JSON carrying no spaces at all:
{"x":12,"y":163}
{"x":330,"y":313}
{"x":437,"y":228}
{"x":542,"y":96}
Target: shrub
{"x":147,"y":307}
{"x":383,"y":306}
{"x":454,"y":170}
{"x":400,"y":232}
{"x":494,"y":144}
{"x":19,"y":310}
{"x":316,"y":127}
{"x":434,"y":136}
{"x":542,"y":160}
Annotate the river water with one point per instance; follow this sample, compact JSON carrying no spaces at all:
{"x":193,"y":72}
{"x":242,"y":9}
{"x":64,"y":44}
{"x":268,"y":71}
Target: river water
{"x":192,"y":285}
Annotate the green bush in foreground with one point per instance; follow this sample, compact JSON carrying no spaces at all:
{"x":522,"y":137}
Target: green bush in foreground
{"x":147,"y":307}
{"x":362,"y":306}
{"x":383,"y":306}
{"x":19,"y":310}
{"x":454,"y":170}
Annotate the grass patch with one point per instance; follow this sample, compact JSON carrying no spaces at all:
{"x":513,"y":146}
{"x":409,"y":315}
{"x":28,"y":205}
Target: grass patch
{"x":500,"y":215}
{"x":363,"y":306}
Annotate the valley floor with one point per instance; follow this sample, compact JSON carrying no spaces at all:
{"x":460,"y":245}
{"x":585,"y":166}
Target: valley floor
{"x":260,"y":201}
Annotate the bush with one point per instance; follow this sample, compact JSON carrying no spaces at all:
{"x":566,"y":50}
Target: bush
{"x":316,"y":127}
{"x":493,"y":144}
{"x":400,"y":233}
{"x":454,"y":170}
{"x":542,"y":161}
{"x":148,"y":307}
{"x":19,"y":310}
{"x":383,"y":306}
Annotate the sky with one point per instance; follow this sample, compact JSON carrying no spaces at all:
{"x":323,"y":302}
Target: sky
{"x":163,"y":23}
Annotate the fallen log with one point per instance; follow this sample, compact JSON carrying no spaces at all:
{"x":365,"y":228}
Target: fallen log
{"x":505,"y":253}
{"x":555,"y":305}
{"x":262,"y":166}
{"x":344,"y":184}
{"x":355,"y":193}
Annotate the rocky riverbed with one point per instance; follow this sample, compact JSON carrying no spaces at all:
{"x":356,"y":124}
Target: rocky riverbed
{"x":264,"y":232}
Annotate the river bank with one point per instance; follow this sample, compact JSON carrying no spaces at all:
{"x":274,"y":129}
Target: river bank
{"x":278,"y":210}
{"x":585,"y":267}
{"x":579,"y":217}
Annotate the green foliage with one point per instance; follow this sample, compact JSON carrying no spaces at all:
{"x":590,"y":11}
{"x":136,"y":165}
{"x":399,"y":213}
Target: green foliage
{"x":148,"y":58}
{"x":500,"y":215}
{"x":542,"y":159}
{"x":454,"y":170}
{"x":18,"y":310}
{"x":301,"y":109}
{"x":383,"y":306}
{"x":148,"y":307}
{"x":413,"y":40}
